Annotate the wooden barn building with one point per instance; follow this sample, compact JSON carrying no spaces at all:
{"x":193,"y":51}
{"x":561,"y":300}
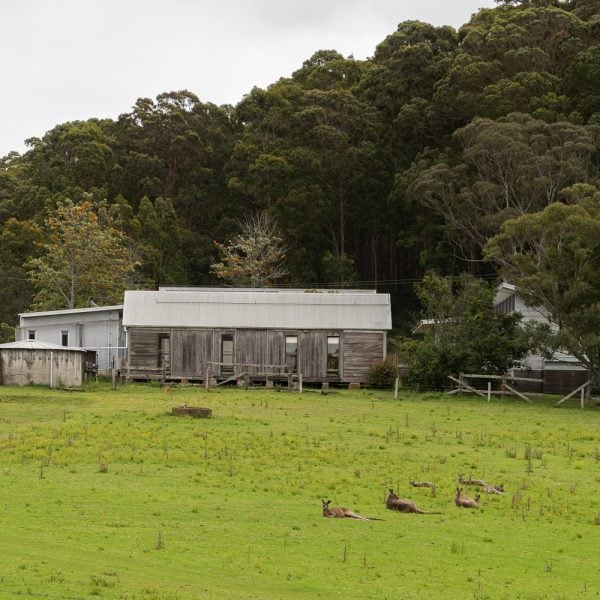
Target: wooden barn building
{"x":193,"y":334}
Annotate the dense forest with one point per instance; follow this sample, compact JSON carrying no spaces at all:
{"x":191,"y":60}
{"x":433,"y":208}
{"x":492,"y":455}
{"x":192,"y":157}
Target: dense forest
{"x":371,"y":173}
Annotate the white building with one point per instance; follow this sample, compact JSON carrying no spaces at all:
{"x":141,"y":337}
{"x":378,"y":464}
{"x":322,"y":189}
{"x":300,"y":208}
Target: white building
{"x":562,"y":372}
{"x":98,"y":329}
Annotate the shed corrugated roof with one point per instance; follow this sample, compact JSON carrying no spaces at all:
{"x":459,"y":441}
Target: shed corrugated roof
{"x":69,"y":311}
{"x":263,"y":309}
{"x":36,"y":345}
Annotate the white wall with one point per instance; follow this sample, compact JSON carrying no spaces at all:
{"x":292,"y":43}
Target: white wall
{"x":99,"y":331}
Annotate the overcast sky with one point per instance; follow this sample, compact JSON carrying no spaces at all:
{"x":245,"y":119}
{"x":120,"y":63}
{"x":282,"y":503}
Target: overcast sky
{"x":66,"y":60}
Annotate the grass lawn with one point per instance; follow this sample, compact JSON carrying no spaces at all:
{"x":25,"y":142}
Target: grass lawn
{"x":103,"y":493}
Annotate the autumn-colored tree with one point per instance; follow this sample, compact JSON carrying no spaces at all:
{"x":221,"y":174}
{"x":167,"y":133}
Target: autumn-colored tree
{"x":81,"y":258}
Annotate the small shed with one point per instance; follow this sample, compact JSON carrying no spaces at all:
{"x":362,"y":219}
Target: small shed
{"x":43,"y":363}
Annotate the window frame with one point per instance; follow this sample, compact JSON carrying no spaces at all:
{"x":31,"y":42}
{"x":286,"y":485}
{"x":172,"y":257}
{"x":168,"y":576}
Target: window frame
{"x":293,"y":363}
{"x":229,"y":368}
{"x":163,"y":355}
{"x":337,"y":355}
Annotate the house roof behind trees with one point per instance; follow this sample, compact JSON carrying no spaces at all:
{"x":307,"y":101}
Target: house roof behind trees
{"x":266,"y":308}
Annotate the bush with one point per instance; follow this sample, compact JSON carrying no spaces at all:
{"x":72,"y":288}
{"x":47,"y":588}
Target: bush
{"x":382,"y":374}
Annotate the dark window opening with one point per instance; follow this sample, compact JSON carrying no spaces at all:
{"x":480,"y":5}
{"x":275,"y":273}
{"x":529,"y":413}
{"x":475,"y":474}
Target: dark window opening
{"x":31,"y":334}
{"x":64,"y":338}
{"x":164,"y":351}
{"x":333,"y":354}
{"x":227,"y":355}
{"x":291,"y":353}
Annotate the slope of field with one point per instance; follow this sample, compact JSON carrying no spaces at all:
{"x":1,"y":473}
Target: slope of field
{"x":104,"y":493}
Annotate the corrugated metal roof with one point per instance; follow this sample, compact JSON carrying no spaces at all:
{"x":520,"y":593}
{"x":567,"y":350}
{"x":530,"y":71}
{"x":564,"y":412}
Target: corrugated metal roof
{"x":286,"y":309}
{"x":36,"y":345}
{"x":68,"y":311}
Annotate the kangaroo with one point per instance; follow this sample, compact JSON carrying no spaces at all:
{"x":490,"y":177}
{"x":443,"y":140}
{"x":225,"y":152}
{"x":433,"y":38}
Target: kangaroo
{"x":464,"y":501}
{"x":493,"y":489}
{"x":470,"y":481}
{"x":393,"y":502}
{"x":426,"y":484}
{"x":340,"y":512}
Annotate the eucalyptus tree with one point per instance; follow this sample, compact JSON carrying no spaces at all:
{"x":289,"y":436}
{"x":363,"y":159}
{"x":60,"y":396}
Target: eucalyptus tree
{"x":159,"y":241}
{"x":553,"y":257}
{"x":513,"y":58}
{"x":506,"y":168}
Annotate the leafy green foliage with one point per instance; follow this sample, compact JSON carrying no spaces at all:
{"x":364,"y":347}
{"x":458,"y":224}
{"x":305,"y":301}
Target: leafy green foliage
{"x":375,"y":170}
{"x":7,"y":333}
{"x":463,"y":334}
{"x":553,"y":257}
{"x":80,"y":258}
{"x":382,"y":374}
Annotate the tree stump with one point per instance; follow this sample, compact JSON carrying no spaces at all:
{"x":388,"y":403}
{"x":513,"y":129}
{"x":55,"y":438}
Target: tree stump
{"x":192,"y":411}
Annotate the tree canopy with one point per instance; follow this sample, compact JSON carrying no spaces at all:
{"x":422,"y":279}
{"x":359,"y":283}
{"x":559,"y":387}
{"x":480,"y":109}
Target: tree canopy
{"x":376,"y":171}
{"x":81,"y":259}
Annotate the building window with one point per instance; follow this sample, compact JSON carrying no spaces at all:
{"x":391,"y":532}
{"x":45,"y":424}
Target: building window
{"x":64,"y":338}
{"x":291,"y":353}
{"x":227,"y":354}
{"x":164,"y":352}
{"x":333,"y":354}
{"x":31,"y":334}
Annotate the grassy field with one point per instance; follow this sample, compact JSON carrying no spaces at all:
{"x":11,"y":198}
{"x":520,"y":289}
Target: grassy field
{"x":103,"y":493}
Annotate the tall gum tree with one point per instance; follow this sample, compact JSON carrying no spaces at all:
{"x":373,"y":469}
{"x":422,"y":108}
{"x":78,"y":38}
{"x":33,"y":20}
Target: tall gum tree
{"x":553,"y":257}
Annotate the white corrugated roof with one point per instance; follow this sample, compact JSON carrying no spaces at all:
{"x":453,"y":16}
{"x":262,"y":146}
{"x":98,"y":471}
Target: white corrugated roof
{"x":263,"y":309}
{"x":68,"y":311}
{"x":36,"y":345}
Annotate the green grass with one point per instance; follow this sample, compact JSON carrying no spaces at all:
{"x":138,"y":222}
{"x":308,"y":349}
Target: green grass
{"x":103,"y":493}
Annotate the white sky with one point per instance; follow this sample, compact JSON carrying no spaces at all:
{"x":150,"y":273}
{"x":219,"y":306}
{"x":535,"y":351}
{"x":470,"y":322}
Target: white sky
{"x":67,"y":60}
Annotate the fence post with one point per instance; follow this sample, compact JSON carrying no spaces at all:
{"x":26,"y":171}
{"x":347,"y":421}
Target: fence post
{"x":489,"y":390}
{"x":396,"y":388}
{"x":300,"y":382}
{"x":207,"y":378}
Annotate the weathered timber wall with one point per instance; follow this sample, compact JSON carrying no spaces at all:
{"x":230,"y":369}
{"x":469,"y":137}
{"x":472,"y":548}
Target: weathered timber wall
{"x":192,"y":350}
{"x":359,"y":351}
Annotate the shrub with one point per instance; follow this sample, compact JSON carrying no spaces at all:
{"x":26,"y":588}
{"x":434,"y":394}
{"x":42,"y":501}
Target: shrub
{"x":382,"y":374}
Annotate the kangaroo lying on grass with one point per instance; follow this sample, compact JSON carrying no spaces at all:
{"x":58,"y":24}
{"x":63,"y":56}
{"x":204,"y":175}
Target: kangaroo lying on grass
{"x":427,"y":484}
{"x":493,"y":489}
{"x":470,"y":481}
{"x":464,"y":501}
{"x":340,"y":512}
{"x":393,"y":502}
